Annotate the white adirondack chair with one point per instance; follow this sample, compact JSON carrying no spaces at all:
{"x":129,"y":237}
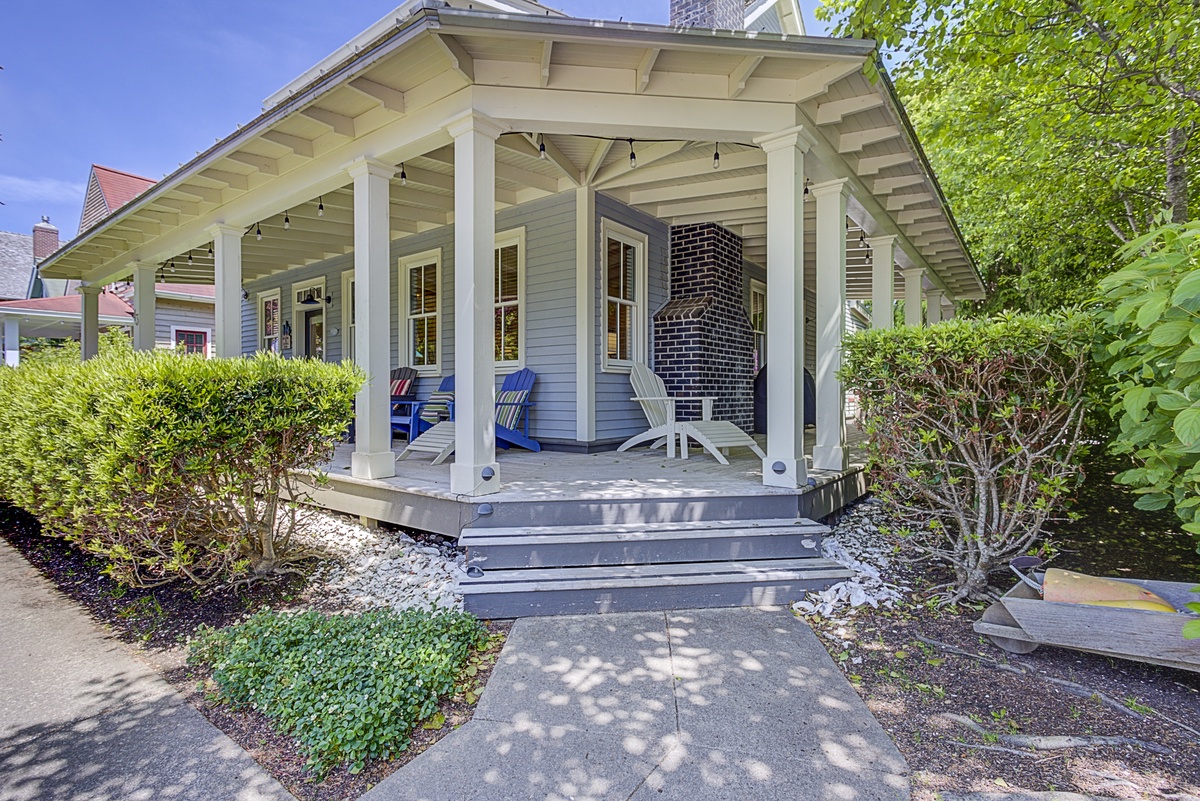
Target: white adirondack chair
{"x":715,"y":436}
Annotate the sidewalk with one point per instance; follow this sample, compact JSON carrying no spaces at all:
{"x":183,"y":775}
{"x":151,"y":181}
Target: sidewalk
{"x":690,"y":706}
{"x":81,"y":717}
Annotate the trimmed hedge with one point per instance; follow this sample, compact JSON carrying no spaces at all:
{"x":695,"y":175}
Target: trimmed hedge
{"x":975,"y":432}
{"x":170,"y":466}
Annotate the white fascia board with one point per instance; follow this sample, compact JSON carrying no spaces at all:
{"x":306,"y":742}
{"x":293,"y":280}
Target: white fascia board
{"x":788,"y":10}
{"x":65,"y":317}
{"x":186,"y":296}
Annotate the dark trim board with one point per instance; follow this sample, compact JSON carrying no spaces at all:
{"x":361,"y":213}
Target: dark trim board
{"x":449,"y":515}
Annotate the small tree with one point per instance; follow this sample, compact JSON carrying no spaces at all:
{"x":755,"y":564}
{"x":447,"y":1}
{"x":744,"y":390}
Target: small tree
{"x":974,"y":433}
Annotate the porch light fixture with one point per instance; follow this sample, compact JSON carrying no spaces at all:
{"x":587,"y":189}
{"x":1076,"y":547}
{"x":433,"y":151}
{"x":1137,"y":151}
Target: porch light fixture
{"x":403,"y":175}
{"x":716,"y":157}
{"x":287,"y":221}
{"x":632,"y":156}
{"x":258,"y":231}
{"x":310,"y":299}
{"x":245,"y":294}
{"x":321,"y":206}
{"x":541,"y":147}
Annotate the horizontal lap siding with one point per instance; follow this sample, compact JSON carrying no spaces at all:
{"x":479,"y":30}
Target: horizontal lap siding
{"x":616,"y":415}
{"x":180,"y":314}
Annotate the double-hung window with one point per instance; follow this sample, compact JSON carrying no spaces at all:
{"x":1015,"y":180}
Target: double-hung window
{"x":270,"y":321}
{"x":348,"y":316}
{"x":625,"y":291}
{"x":758,"y":321}
{"x":421,"y":279}
{"x":509,"y":296}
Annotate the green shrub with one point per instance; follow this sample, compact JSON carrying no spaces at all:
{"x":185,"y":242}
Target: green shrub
{"x":974,"y":430}
{"x":170,"y":466}
{"x":1152,"y":352}
{"x":348,"y":688}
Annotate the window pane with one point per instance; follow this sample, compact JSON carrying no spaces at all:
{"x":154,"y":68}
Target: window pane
{"x":511,"y":329}
{"x":625,"y":332}
{"x":414,"y":290}
{"x":431,"y":355}
{"x":612,"y":329}
{"x":506,"y":274}
{"x":429,"y":285}
{"x":629,"y":253}
{"x":418,"y":342}
{"x":499,"y":323}
{"x":613,"y":268}
{"x":350,"y":303}
{"x":270,"y":317}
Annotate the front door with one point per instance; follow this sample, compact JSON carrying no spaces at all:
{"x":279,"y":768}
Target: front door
{"x":314,"y":334}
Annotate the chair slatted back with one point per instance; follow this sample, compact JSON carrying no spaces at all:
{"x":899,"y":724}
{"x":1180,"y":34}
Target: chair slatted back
{"x":403,"y":382}
{"x":648,"y":385}
{"x":515,"y":390}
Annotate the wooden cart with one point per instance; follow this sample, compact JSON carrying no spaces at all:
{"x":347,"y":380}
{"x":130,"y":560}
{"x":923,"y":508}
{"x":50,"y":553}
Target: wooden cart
{"x":1021,"y":621}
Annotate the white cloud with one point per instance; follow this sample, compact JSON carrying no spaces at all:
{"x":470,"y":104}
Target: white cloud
{"x":47,"y":190}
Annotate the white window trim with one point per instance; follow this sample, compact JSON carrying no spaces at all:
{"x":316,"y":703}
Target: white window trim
{"x":405,"y":264}
{"x":513,"y":236}
{"x":610,"y":229}
{"x":262,"y":298}
{"x":348,"y":323}
{"x":761,"y":288}
{"x":298,"y":311}
{"x":192,"y":329}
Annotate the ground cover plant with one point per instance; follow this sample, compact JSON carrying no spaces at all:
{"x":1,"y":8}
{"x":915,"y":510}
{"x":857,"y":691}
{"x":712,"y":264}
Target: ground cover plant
{"x":349,"y":688}
{"x":171,"y":467}
{"x":975,"y":432}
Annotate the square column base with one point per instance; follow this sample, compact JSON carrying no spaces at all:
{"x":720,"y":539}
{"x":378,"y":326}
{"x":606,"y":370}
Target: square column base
{"x":830,"y":457}
{"x":467,"y":479}
{"x":373,"y":465}
{"x":793,"y":475}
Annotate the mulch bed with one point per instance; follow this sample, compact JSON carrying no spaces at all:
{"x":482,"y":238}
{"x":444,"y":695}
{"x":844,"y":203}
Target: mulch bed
{"x":159,"y":621}
{"x":912,"y":685}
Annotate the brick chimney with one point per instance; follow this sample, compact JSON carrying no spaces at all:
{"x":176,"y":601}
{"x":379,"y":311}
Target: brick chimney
{"x":727,"y":15}
{"x":45,"y":239}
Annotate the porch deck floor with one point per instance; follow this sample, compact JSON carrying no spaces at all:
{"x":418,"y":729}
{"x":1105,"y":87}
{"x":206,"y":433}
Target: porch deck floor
{"x":637,"y":474}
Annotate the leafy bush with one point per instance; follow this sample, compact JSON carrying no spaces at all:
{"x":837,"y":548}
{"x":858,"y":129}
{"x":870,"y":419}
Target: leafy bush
{"x":112,"y":341}
{"x":348,"y":688}
{"x":975,"y":433}
{"x":170,"y":466}
{"x":1152,"y":353}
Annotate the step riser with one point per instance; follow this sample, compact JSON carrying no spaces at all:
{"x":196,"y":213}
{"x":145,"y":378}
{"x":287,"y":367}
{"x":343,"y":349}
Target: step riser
{"x":599,"y":512}
{"x":639,"y":599}
{"x":718,"y":548}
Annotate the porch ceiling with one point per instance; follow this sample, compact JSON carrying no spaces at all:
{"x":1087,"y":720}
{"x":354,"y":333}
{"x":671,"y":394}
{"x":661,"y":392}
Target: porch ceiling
{"x":591,"y":82}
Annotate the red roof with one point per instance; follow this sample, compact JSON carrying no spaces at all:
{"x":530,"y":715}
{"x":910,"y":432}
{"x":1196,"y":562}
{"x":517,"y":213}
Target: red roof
{"x":120,"y":187}
{"x":206,"y":290}
{"x":110,"y":305}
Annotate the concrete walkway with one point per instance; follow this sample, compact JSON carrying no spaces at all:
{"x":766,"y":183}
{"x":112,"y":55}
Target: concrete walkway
{"x":82,"y":718}
{"x":686,"y":706}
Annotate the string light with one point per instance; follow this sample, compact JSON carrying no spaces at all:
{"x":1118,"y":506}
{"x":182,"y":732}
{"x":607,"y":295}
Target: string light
{"x":862,"y":239}
{"x":258,"y":232}
{"x":210,"y":248}
{"x":541,"y":147}
{"x":806,"y":183}
{"x":321,"y":206}
{"x":403,"y":175}
{"x":716,"y":157}
{"x":287,"y":221}
{"x":171,"y":265}
{"x":632,"y":156}
{"x":190,"y":258}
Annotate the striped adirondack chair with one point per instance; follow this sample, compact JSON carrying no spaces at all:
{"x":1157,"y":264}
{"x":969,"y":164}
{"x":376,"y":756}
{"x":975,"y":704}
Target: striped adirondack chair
{"x":715,"y":436}
{"x":512,"y":413}
{"x":402,"y":383}
{"x":411,"y":416}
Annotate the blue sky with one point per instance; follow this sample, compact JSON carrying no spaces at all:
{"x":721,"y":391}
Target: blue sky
{"x":141,"y":85}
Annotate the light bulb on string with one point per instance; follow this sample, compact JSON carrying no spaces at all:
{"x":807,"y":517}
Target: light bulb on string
{"x":862,"y":240}
{"x":210,"y":251}
{"x":541,"y":146}
{"x":171,"y":265}
{"x":716,"y":158}
{"x":190,"y":258}
{"x":806,"y":183}
{"x":321,"y":206}
{"x":287,"y":221}
{"x":403,"y":175}
{"x":632,"y":156}
{"x":258,"y":232}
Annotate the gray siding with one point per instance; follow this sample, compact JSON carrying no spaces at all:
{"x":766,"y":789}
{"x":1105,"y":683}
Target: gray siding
{"x":617,"y":417}
{"x":549,"y":305}
{"x":180,"y":314}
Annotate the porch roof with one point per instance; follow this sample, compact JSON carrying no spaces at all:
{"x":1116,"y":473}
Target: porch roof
{"x":584,"y":87}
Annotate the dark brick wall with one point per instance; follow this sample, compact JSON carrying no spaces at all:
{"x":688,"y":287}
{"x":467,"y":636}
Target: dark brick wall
{"x":727,"y":15}
{"x":703,"y":345}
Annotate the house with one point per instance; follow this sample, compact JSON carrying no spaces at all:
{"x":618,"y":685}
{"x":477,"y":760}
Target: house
{"x":52,"y":307}
{"x":471,"y":188}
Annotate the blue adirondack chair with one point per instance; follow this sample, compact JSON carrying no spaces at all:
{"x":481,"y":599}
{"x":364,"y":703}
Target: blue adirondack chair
{"x":403,"y":385}
{"x":411,"y":417}
{"x":512,"y":410}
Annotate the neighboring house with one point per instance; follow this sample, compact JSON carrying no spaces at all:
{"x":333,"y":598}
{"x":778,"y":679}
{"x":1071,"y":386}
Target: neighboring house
{"x":183,"y":316}
{"x":471,"y":188}
{"x":19,"y":256}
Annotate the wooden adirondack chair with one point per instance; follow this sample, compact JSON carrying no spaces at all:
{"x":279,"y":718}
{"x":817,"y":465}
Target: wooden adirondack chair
{"x":403,"y":386}
{"x":715,"y":436}
{"x":411,"y":416}
{"x":512,"y":411}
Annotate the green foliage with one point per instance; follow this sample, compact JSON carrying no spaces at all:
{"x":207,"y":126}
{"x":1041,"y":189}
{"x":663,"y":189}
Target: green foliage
{"x":166,"y":465}
{"x":1191,"y":629}
{"x":975,"y":432}
{"x":112,"y":341}
{"x":349,"y":688}
{"x":1152,"y":353}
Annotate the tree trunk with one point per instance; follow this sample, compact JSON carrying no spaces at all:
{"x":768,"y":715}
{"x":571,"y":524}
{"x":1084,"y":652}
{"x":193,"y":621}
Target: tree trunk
{"x":1177,"y":182}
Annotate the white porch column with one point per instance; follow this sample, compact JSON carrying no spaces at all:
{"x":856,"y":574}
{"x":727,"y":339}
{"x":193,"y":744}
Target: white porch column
{"x":949,"y":313}
{"x":784,"y":465}
{"x":143,"y":307}
{"x":883,"y":280}
{"x":12,"y":341}
{"x":933,"y":306}
{"x":372,"y":457}
{"x":912,"y":295}
{"x":474,"y":471}
{"x":227,"y":269}
{"x":829,"y":452}
{"x":89,"y":321}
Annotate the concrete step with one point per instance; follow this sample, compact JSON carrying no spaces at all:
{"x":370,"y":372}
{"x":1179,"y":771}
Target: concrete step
{"x":485,"y":513}
{"x":630,"y":544}
{"x":640,"y":588}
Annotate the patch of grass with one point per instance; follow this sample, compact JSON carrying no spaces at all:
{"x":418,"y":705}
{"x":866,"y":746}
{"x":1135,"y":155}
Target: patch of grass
{"x":349,"y":688}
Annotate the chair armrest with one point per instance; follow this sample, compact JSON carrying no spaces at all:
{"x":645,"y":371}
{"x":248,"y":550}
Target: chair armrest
{"x":706,"y":406}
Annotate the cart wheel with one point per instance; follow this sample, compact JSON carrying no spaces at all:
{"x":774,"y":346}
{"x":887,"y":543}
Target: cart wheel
{"x":997,"y":614}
